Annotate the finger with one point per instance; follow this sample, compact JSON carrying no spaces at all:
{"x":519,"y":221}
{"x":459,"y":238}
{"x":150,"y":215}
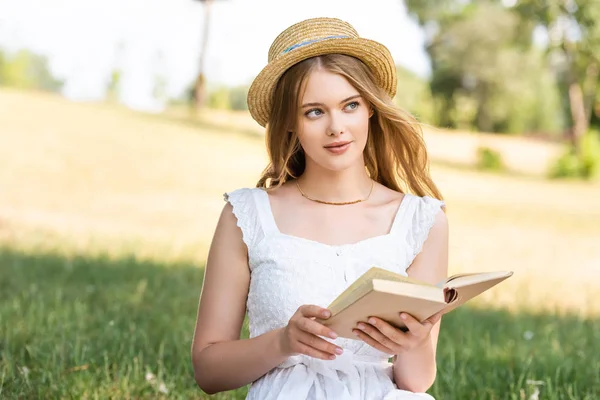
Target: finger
{"x":315,"y":328}
{"x":312,"y":352}
{"x":310,"y":310}
{"x":392,"y":333}
{"x":414,"y":326}
{"x":371,"y":342}
{"x":374,"y":333}
{"x":435,"y":318}
{"x":318,"y":343}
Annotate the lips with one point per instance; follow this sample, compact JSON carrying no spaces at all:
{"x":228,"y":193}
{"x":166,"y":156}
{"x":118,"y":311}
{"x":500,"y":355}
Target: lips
{"x":338,"y":148}
{"x":336,"y":144}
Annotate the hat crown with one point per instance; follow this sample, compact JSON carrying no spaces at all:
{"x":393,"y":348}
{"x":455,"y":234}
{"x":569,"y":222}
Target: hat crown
{"x":310,"y":31}
{"x":312,"y":38}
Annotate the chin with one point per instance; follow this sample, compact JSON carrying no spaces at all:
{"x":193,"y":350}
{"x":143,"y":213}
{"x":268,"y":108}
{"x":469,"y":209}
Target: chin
{"x":340,"y":163}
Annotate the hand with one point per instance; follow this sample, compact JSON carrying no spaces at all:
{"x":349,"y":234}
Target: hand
{"x":301,"y":335}
{"x":389,"y":339}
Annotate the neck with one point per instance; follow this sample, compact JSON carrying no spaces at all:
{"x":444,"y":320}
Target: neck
{"x":335,"y":186}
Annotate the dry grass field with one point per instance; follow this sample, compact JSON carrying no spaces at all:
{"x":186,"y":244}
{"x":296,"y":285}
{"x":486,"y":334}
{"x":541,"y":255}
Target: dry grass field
{"x":108,"y":177}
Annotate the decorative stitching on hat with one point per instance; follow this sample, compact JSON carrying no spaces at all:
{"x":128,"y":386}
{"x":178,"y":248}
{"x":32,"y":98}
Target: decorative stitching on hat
{"x":314,"y":41}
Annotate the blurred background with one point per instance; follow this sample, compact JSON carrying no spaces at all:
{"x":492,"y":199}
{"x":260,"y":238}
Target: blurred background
{"x":122,"y":123}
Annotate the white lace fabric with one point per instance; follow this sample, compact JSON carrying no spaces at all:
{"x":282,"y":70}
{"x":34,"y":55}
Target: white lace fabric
{"x":289,"y":271}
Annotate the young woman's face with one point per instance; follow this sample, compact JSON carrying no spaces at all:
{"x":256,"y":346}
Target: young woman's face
{"x":333,"y":122}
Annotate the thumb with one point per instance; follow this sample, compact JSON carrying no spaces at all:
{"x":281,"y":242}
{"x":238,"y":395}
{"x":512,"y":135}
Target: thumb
{"x":435,"y":318}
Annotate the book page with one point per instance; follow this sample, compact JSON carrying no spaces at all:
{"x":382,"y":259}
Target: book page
{"x":461,"y":280}
{"x":380,"y":273}
{"x":483,"y":282}
{"x":363,"y":283}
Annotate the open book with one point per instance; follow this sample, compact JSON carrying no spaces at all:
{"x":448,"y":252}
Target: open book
{"x":384,"y":294}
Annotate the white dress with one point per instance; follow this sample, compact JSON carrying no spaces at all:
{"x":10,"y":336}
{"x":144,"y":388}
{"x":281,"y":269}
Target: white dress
{"x":289,"y":271}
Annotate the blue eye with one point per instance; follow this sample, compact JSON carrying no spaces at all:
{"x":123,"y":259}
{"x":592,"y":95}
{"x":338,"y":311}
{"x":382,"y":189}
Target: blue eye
{"x":314,"y":112}
{"x":353,"y":106}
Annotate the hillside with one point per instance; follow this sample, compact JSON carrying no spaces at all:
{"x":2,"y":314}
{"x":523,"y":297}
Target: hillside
{"x":95,"y":177}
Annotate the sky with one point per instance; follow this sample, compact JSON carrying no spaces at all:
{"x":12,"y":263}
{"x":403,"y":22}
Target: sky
{"x":82,"y":38}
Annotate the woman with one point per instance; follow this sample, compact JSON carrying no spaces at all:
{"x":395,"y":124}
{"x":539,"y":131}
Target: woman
{"x":333,"y":201}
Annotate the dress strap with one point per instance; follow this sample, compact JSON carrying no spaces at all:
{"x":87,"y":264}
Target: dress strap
{"x":402,"y":214}
{"x":265,"y":213}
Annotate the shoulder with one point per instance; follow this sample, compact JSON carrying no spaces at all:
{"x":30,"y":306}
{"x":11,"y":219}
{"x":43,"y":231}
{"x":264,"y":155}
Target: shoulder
{"x":428,"y":202}
{"x":420,"y":205}
{"x":240,"y":193}
{"x":428,"y":207}
{"x":428,"y":239}
{"x":241,"y":211}
{"x":243,"y":199}
{"x":281,"y":198}
{"x":389,"y":197}
{"x":429,"y":220}
{"x":284,"y":190}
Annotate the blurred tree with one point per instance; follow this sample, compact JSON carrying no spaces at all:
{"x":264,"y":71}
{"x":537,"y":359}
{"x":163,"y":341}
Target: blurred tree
{"x":199,"y":93}
{"x":27,"y":70}
{"x":113,"y":85}
{"x":160,"y":84}
{"x":3,"y":61}
{"x":219,"y":98}
{"x":228,"y":98}
{"x":596,"y":112}
{"x":414,"y":95}
{"x":574,"y":46}
{"x":238,"y":96}
{"x":484,"y":73}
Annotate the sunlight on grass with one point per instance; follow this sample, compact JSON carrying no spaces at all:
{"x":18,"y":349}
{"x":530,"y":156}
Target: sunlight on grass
{"x":80,"y":325}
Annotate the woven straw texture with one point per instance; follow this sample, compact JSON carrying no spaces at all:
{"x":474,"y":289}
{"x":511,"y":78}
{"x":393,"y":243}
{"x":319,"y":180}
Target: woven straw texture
{"x":311,"y":38}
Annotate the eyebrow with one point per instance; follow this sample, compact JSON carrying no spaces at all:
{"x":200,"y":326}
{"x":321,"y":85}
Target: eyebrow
{"x":321,"y":104}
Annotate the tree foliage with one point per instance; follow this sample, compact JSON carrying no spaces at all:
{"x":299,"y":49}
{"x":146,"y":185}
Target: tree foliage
{"x":573,"y":29}
{"x":27,"y":70}
{"x":486,"y":75}
{"x":489,"y":72}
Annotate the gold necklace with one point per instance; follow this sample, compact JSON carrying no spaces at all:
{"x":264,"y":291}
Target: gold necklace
{"x":334,"y":203}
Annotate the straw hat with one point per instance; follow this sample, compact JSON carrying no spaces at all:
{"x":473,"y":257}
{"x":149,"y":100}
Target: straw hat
{"x":311,"y":38}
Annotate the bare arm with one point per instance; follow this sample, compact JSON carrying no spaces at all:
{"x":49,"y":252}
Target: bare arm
{"x":220,"y":359}
{"x":415,"y":370}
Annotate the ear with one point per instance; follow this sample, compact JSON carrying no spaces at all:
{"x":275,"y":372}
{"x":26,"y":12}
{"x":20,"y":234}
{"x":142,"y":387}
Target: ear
{"x":371,"y":112}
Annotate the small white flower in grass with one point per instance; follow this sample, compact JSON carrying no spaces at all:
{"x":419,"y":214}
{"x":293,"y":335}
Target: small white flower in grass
{"x":528,"y":335}
{"x":111,"y":323}
{"x":162,"y":388}
{"x":536,"y":393}
{"x":25,"y":371}
{"x":150,"y":377}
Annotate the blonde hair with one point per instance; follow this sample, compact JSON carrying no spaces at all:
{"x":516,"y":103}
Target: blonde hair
{"x":395,"y":154}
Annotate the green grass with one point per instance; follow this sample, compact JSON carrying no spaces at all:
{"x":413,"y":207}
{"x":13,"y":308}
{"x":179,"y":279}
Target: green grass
{"x":93,"y":326}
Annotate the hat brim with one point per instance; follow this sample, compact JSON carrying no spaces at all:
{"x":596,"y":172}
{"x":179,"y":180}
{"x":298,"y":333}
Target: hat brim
{"x":375,"y":56}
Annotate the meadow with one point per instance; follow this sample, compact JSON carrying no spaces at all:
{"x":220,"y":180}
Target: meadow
{"x":106,"y":215}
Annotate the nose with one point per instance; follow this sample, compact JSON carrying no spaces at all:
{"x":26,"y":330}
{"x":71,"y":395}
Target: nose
{"x":336,"y":125}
